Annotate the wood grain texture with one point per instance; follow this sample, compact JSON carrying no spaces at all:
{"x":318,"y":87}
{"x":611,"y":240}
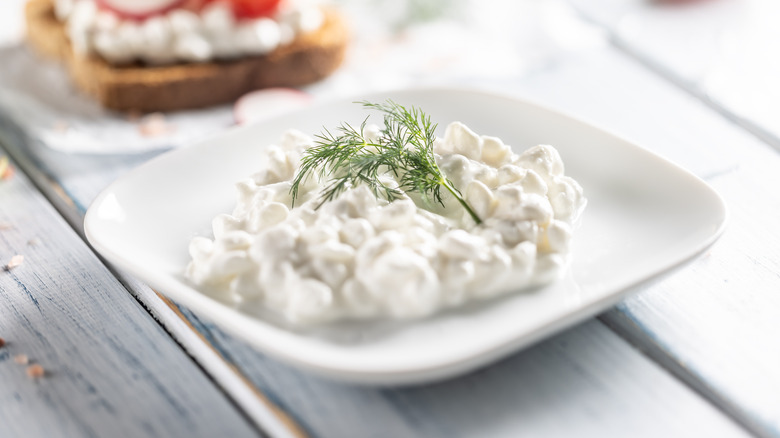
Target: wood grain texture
{"x":86,"y":176}
{"x":585,"y":382}
{"x":111,"y":370}
{"x":719,"y":319}
{"x":718,"y":51}
{"x":715,"y":322}
{"x":255,"y":404}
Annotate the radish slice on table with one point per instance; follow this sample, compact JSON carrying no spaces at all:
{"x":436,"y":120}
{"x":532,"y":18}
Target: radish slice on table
{"x":139,"y":9}
{"x":264,"y":104}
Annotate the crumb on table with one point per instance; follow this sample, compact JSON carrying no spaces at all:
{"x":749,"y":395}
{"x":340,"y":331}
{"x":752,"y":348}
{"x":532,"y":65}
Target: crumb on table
{"x":6,"y":170}
{"x":21,"y":359}
{"x":154,"y":125}
{"x":35,"y":371}
{"x":15,"y":261}
{"x":2,"y":342}
{"x":60,"y":126}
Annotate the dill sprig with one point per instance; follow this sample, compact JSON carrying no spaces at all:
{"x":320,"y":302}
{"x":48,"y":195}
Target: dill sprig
{"x":404,"y":149}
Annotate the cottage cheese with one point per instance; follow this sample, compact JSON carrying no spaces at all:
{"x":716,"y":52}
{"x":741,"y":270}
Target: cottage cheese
{"x":362,"y":257}
{"x":181,"y":35}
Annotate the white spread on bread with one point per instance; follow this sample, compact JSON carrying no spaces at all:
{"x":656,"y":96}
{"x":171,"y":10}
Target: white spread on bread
{"x":181,"y":35}
{"x":359,"y":256}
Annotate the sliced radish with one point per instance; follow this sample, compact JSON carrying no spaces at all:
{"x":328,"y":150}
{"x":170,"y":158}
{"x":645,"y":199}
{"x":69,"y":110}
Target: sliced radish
{"x":254,"y":8}
{"x":139,"y":9}
{"x":264,"y":104}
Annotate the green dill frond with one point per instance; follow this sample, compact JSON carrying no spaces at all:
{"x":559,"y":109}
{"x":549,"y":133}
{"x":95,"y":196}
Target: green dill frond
{"x":404,"y":149}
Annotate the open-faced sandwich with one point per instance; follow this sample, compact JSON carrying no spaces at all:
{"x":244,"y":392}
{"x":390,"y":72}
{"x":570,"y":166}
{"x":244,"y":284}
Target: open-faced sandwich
{"x":160,"y":55}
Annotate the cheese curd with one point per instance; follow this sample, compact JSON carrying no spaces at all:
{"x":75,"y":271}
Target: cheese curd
{"x":182,"y":35}
{"x":362,"y":257}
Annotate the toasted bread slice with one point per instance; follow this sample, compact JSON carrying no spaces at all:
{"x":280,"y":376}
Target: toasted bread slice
{"x":310,"y":57}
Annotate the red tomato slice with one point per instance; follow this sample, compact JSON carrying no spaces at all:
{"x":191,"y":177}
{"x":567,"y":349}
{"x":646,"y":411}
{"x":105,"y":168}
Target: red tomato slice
{"x":254,"y":8}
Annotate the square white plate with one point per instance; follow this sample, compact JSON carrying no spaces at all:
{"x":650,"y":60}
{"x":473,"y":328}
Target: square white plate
{"x":645,"y":216}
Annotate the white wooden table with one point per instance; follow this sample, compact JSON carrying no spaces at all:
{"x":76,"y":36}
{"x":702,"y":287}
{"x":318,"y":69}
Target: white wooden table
{"x":695,"y":354}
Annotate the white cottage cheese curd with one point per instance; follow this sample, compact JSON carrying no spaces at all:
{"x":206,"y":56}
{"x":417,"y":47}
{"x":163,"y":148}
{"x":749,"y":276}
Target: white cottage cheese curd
{"x":181,"y":35}
{"x":361,"y":257}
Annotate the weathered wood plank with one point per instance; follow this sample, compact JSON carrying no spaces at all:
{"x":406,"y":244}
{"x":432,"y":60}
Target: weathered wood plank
{"x":719,"y":319}
{"x":598,"y":84}
{"x":91,"y":175}
{"x":720,"y":51}
{"x":585,"y":382}
{"x":715,"y":322}
{"x":111,"y":370}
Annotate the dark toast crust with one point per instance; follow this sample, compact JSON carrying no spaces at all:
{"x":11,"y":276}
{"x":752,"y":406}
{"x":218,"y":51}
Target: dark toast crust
{"x":311,"y":57}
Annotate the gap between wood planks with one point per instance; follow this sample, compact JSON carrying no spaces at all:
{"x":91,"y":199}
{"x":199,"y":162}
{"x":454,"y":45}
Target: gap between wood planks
{"x":618,"y":321}
{"x":628,"y":329}
{"x":69,"y":211}
{"x":294,"y":428}
{"x":682,"y":84}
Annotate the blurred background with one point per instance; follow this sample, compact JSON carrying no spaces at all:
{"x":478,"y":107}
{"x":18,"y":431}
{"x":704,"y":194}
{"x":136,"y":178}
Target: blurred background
{"x":721,"y":50}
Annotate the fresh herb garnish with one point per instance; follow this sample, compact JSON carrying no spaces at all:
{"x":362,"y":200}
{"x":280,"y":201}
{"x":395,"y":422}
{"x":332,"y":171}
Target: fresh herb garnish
{"x":404,"y":149}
